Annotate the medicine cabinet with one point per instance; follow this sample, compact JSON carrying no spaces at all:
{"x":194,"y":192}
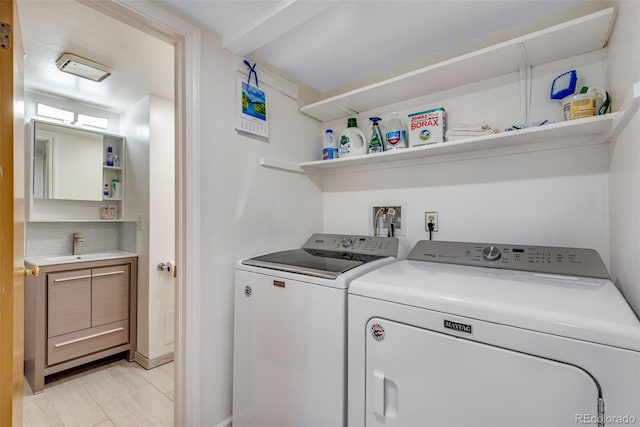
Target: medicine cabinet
{"x":68,"y":175}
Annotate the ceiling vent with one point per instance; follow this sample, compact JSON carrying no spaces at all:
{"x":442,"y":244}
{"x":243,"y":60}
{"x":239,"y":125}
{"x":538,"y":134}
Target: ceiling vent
{"x":82,"y":67}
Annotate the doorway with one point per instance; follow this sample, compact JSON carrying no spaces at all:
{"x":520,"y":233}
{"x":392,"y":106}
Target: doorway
{"x":186,"y":39}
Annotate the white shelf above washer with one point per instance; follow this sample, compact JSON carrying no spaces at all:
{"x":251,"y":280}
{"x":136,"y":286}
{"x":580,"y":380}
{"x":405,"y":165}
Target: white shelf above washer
{"x":579,"y":132}
{"x":576,"y":37}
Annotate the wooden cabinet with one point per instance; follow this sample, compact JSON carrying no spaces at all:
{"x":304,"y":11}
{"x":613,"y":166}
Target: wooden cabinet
{"x":109,"y":294}
{"x":77,"y":313}
{"x":69,"y":302}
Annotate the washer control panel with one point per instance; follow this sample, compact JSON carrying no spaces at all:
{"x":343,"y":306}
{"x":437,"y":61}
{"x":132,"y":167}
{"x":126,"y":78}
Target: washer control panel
{"x":381,"y":246}
{"x":537,"y":259}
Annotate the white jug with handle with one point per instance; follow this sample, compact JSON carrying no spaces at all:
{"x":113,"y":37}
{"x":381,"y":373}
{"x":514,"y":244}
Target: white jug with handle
{"x":352,"y":140}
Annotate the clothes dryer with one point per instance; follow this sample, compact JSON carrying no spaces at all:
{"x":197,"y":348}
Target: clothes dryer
{"x":468,"y":334}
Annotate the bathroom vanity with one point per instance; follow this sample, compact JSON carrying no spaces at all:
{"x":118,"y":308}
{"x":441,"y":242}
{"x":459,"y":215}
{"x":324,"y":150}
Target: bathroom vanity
{"x":78,"y":309}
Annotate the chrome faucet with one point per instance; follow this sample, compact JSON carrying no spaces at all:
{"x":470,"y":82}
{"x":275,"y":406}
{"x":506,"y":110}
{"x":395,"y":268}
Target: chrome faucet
{"x":77,"y":243}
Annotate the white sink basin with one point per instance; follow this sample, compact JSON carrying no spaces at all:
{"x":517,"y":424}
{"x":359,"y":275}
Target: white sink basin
{"x":86,"y":257}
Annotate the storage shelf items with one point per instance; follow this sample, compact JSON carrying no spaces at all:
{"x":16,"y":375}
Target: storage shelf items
{"x":587,"y":131}
{"x":578,"y":36}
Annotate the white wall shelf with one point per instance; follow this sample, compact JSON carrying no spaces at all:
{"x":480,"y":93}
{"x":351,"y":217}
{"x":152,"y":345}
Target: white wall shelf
{"x":579,"y":132}
{"x":268,"y":162}
{"x":576,"y":37}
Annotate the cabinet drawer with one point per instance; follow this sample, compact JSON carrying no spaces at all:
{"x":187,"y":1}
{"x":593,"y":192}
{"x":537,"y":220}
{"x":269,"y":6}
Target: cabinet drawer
{"x":109,"y":295}
{"x":69,"y":296}
{"x":76,"y":344}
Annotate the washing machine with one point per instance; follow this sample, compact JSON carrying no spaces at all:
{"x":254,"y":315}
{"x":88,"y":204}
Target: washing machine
{"x":289,"y":355}
{"x":469,"y":334}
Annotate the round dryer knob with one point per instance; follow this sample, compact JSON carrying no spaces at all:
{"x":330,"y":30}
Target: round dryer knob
{"x":347,"y":243}
{"x":491,"y":253}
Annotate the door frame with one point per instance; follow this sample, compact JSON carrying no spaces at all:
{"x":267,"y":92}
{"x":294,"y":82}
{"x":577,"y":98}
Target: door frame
{"x":186,"y":39}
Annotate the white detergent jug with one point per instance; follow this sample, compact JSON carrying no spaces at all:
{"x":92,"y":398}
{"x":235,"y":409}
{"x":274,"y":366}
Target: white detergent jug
{"x":352,"y":141}
{"x":396,"y":133}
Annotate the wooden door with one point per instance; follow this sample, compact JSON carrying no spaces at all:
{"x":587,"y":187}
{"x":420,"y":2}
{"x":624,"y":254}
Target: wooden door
{"x":11,"y":218}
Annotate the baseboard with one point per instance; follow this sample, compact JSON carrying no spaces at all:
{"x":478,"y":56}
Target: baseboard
{"x":147,"y":363}
{"x":225,"y":423}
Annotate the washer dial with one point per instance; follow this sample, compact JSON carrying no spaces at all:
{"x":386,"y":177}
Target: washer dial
{"x":491,"y":253}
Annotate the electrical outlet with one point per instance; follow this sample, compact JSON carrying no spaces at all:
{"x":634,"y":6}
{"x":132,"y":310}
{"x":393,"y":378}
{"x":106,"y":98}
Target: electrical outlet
{"x":382,"y":219}
{"x":431,"y":217}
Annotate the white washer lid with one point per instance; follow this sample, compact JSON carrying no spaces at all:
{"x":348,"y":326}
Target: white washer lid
{"x":574,"y":307}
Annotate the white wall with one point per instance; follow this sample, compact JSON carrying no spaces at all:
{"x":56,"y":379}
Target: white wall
{"x":246,"y":209}
{"x":555,"y":198}
{"x":161,"y":226}
{"x":149,"y":186}
{"x":135,"y":126}
{"x":624,"y":186}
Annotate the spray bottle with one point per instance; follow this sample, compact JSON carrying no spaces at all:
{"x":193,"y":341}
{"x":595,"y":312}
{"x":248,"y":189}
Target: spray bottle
{"x":376,"y":144}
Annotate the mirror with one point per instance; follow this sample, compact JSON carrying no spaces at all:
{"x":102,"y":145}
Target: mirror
{"x":67,"y":163}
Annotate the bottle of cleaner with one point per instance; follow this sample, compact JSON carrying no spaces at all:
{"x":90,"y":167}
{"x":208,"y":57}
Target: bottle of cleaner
{"x":396,"y":133}
{"x":352,"y":140}
{"x":115,"y":188}
{"x":109,"y":156}
{"x":376,"y":144}
{"x":329,"y":146}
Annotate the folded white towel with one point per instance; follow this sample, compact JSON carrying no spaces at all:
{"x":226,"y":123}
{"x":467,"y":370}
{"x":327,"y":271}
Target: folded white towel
{"x":458,"y":132}
{"x":472,"y":127}
{"x":451,"y":138}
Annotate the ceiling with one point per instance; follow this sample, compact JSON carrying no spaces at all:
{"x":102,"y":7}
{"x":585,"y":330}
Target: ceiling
{"x":325,"y":43}
{"x":141,"y":64}
{"x":329,"y":44}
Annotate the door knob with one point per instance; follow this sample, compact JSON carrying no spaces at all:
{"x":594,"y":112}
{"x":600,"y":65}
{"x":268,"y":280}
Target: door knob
{"x":165,"y":266}
{"x":35,"y":271}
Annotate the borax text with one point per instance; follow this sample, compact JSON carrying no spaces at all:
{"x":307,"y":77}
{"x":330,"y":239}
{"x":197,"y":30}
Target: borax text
{"x":423,"y":123}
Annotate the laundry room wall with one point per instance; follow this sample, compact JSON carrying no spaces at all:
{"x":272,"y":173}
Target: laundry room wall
{"x":246,"y":209}
{"x":554,"y":198}
{"x":624,"y":180}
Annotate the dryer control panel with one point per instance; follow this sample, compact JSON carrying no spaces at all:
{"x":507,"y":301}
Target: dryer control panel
{"x":380,"y":246}
{"x":536,"y":259}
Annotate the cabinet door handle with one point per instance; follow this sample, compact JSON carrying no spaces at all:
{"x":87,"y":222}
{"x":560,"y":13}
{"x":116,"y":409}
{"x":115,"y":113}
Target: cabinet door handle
{"x":110,"y":273}
{"x":66,"y":279}
{"x":88,"y":337}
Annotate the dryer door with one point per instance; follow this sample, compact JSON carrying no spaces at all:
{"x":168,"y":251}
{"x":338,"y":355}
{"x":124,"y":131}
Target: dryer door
{"x":416,"y":377}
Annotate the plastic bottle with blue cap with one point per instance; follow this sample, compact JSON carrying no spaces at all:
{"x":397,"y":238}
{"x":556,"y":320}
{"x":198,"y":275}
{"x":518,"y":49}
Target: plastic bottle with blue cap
{"x":329,"y":146}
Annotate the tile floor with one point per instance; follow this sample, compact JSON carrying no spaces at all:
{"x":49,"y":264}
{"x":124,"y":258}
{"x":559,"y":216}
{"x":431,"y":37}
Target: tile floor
{"x":110,"y":393}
